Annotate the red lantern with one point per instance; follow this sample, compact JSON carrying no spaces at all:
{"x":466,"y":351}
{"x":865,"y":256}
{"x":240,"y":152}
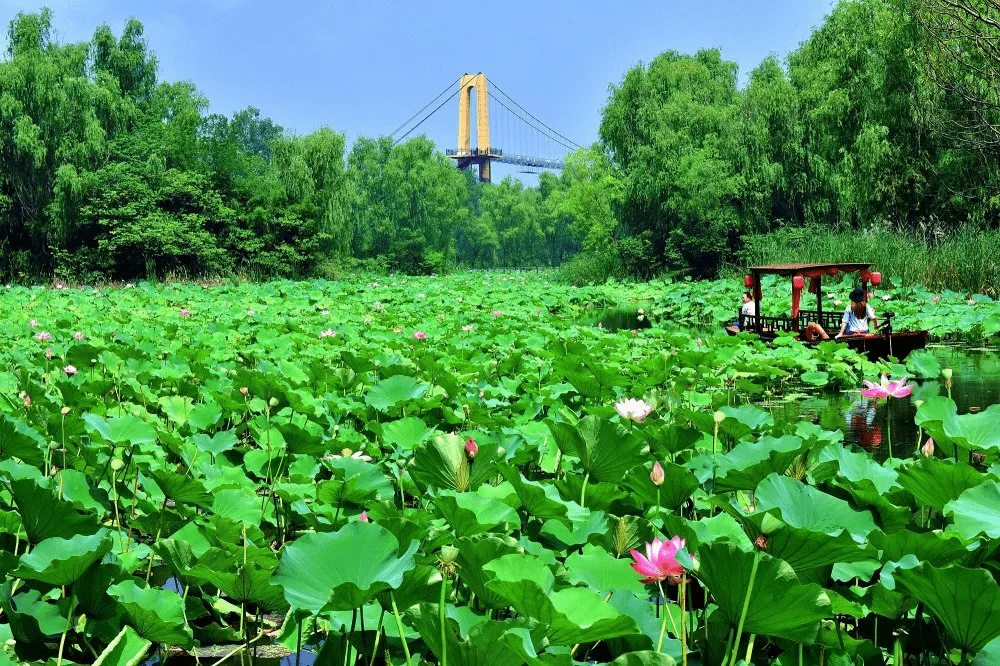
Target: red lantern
{"x":876,"y":278}
{"x":798,"y":282}
{"x":748,"y":281}
{"x":866,"y":275}
{"x":832,"y":271}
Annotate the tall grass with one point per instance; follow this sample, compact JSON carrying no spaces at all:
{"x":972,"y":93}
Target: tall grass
{"x":965,"y":260}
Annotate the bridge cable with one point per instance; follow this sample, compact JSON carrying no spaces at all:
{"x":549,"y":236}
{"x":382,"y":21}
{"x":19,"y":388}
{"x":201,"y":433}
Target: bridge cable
{"x":407,"y":122}
{"x":424,"y":119}
{"x":532,"y":126}
{"x":500,"y":90}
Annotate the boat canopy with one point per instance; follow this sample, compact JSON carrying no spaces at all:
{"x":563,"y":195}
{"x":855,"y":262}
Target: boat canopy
{"x":806,"y":269}
{"x":815,"y":273}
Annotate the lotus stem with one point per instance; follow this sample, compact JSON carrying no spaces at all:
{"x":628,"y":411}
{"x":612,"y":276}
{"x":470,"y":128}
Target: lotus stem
{"x":349,"y":652}
{"x":399,"y":628}
{"x":684,"y":653}
{"x":69,"y":623}
{"x":443,"y":616}
{"x":888,"y":426}
{"x":583,"y":491}
{"x":746,"y":605}
{"x":663,"y":622}
{"x":750,"y":648}
{"x":378,"y":635}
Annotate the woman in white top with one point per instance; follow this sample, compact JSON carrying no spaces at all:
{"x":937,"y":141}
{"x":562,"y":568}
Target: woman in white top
{"x":857,"y":316}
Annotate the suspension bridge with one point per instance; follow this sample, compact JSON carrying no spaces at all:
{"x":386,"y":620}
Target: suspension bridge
{"x":517,"y":137}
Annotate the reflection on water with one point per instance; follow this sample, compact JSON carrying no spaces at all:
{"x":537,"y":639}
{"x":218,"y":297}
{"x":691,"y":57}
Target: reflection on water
{"x":617,"y":319}
{"x":871,"y":424}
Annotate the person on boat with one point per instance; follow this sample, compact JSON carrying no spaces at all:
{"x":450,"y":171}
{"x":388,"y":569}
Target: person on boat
{"x":855,"y":321}
{"x":748,"y":308}
{"x":857,"y":315}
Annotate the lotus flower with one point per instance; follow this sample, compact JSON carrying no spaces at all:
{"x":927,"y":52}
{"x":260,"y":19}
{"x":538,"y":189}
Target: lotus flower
{"x":43,"y":335}
{"x":928,"y":448}
{"x":347,"y":453}
{"x":419,"y":335}
{"x":497,"y":313}
{"x":660,"y":561}
{"x":328,"y":333}
{"x":78,"y":335}
{"x":633,"y":410}
{"x":70,"y":370}
{"x":363,"y":517}
{"x":468,"y":327}
{"x":936,"y":299}
{"x":887,"y":389}
{"x":185,"y":313}
{"x":656,"y":476}
{"x":471,"y":448}
{"x":33,"y":323}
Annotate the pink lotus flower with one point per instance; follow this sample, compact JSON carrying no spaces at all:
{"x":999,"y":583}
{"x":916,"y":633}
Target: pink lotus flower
{"x":43,"y":335}
{"x":656,"y":476}
{"x":185,"y":313}
{"x":244,"y":390}
{"x":363,"y":517}
{"x":660,"y":561}
{"x":419,"y":335}
{"x":928,"y":448}
{"x":328,"y":333}
{"x":27,"y":401}
{"x":936,"y":299}
{"x":633,"y":410}
{"x":48,"y":353}
{"x":468,"y":327}
{"x":78,"y":335}
{"x":887,"y":389}
{"x":33,"y":323}
{"x":497,"y":313}
{"x":70,"y":370}
{"x":471,"y":448}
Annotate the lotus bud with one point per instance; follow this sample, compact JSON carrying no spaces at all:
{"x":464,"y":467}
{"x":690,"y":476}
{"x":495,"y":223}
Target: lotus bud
{"x":448,"y":554}
{"x":501,"y":452}
{"x":244,"y":390}
{"x":928,"y":448}
{"x":65,"y":411}
{"x":719,"y":417}
{"x":117,"y":464}
{"x":471,"y":449}
{"x":273,"y":402}
{"x":946,"y":373}
{"x":656,"y":476}
{"x":363,"y":518}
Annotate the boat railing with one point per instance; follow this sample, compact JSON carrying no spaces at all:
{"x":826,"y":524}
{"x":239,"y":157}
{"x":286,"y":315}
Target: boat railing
{"x":749,"y":322}
{"x":830,"y":321}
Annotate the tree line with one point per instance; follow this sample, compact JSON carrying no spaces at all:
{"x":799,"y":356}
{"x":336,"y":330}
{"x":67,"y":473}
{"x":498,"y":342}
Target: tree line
{"x":887,"y":116}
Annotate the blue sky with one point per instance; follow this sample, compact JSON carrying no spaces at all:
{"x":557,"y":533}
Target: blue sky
{"x":363,"y":67}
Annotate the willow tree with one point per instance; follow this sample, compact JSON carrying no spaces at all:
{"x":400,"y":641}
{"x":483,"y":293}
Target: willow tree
{"x":669,"y":127}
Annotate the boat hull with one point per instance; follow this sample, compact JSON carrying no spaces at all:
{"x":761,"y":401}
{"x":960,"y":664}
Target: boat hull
{"x":898,"y":344}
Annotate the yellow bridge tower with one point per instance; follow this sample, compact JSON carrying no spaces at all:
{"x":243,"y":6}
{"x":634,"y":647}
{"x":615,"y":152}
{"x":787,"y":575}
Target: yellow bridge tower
{"x":466,"y":155}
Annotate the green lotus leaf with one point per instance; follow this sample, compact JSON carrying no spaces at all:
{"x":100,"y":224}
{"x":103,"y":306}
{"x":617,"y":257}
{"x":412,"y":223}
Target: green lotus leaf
{"x":937,"y":548}
{"x":539,"y":500}
{"x":803,"y":548}
{"x":405,"y":434}
{"x":644,"y":658}
{"x":934,"y":481}
{"x":573,"y":615}
{"x":181,"y":488}
{"x":306,"y":440}
{"x":44,"y":516}
{"x":741,"y":421}
{"x":976,"y":511}
{"x":394,"y":390}
{"x":126,"y":649}
{"x":176,"y":407}
{"x":442,"y":463}
{"x":241,"y":505}
{"x":91,"y":591}
{"x":471,"y":513}
{"x":81,"y":490}
{"x":602,"y":572}
{"x":488,"y":643}
{"x":244,"y":584}
{"x":216,"y":444}
{"x":965,"y":601}
{"x":18,"y":440}
{"x":678,"y":485}
{"x":420,"y":584}
{"x":59,"y":561}
{"x":473,"y":554}
{"x":748,"y":463}
{"x":856,"y":467}
{"x":156,"y":615}
{"x":807,"y":507}
{"x":583,"y":523}
{"x":122,"y":429}
{"x":779,"y":606}
{"x":355,"y":481}
{"x":605,"y":452}
{"x":864,"y":495}
{"x":342,"y":570}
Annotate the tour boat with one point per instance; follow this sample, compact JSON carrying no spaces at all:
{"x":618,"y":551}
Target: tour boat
{"x":880,"y":344}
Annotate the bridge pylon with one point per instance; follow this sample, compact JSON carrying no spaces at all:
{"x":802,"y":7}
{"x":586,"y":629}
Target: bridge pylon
{"x":465,"y":156}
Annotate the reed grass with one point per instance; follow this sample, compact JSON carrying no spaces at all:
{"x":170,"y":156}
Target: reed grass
{"x":965,"y":260}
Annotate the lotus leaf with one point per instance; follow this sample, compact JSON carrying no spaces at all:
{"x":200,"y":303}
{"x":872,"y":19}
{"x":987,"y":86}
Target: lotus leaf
{"x":394,"y":390}
{"x":156,"y":615}
{"x":126,"y":649}
{"x":59,"y":561}
{"x":748,"y":463}
{"x":935,"y":482}
{"x":803,"y":506}
{"x":779,"y":605}
{"x":322,"y":572}
{"x":966,"y":601}
{"x":470,"y":513}
{"x":605,"y":453}
{"x":573,"y":615}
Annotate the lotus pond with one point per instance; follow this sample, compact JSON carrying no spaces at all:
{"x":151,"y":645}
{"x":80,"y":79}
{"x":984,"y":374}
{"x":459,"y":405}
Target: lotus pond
{"x":455,"y":470}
